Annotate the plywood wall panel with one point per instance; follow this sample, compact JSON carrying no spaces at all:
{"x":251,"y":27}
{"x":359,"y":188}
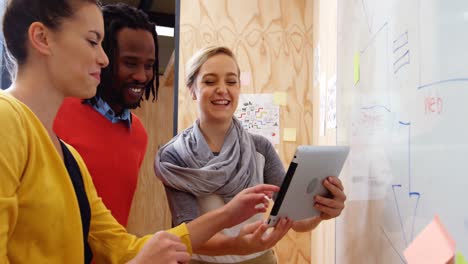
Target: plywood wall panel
{"x":150,"y":210}
{"x":325,"y":41}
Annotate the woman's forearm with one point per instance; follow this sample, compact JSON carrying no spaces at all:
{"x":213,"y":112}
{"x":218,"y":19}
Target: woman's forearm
{"x":218,"y":245}
{"x":306,"y":224}
{"x":204,"y":227}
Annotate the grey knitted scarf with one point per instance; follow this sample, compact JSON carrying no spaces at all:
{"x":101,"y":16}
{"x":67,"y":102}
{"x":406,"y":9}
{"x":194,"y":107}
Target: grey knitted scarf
{"x":199,"y":172}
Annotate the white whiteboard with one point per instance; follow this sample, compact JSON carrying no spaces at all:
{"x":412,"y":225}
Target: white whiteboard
{"x":406,"y":120}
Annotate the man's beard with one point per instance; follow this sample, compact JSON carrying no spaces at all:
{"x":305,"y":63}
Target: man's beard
{"x":134,"y":105}
{"x":119,"y":98}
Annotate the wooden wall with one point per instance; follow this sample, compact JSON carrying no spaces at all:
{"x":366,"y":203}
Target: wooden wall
{"x":150,"y":210}
{"x":325,"y":43}
{"x":273,"y":41}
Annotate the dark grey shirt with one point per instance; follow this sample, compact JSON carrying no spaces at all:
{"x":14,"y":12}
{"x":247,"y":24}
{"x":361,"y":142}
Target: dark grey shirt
{"x":184,"y":205}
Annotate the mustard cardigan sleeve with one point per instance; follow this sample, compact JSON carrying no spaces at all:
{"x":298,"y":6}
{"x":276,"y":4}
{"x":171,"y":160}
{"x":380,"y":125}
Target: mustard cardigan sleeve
{"x":13,"y":156}
{"x":109,"y":240}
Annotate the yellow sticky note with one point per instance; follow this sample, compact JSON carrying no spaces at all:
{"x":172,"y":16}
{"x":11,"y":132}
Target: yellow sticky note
{"x":289,"y":134}
{"x":432,"y":246}
{"x":459,"y":259}
{"x":357,"y":67}
{"x":280,"y":98}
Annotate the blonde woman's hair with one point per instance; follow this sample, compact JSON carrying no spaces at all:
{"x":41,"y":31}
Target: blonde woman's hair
{"x":200,"y":57}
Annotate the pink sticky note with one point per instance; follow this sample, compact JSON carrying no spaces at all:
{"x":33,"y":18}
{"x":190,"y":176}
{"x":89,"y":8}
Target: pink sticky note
{"x":432,"y":246}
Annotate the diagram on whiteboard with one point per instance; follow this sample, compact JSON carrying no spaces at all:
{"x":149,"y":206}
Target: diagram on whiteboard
{"x":402,"y":86}
{"x":259,"y":115}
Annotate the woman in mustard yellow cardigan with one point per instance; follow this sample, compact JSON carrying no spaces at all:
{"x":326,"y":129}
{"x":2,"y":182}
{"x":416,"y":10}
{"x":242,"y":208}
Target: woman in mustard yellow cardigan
{"x":49,"y":209}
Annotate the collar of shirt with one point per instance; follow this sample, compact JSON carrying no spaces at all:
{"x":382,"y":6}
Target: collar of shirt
{"x":104,"y":109}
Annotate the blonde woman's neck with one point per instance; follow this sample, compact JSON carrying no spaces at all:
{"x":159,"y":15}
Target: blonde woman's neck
{"x":214,"y":133}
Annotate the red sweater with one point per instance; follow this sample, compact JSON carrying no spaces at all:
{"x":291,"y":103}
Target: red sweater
{"x":113,"y":153}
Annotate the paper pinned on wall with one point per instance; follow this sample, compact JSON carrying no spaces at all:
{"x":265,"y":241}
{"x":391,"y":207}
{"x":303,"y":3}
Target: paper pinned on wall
{"x":280,"y":98}
{"x":259,"y":115}
{"x":357,"y":67}
{"x":433,"y":245}
{"x":322,"y":103}
{"x":331,"y":103}
{"x":289,"y":134}
{"x":245,"y":78}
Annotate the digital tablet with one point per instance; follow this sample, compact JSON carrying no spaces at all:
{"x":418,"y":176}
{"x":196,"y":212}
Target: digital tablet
{"x":310,"y":166}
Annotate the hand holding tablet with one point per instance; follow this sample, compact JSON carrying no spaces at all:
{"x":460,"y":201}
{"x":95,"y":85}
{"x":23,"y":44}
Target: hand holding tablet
{"x":308,"y":177}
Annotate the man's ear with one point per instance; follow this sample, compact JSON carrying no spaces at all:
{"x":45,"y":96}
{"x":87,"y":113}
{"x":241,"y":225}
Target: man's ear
{"x":39,"y":35}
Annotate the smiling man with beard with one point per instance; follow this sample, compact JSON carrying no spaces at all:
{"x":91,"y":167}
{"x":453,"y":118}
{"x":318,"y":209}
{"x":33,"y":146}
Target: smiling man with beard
{"x":111,"y":139}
